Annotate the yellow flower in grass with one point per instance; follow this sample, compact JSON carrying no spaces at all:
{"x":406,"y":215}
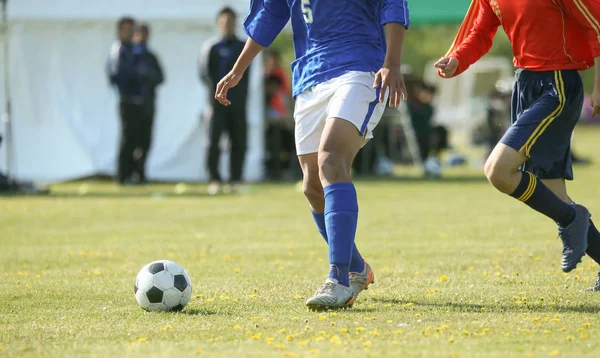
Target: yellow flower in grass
{"x":399,"y":332}
{"x":451,"y":340}
{"x":237,"y":270}
{"x":319,"y":339}
{"x":554,"y":353}
{"x":389,"y":321}
{"x":344,"y":330}
{"x":282,"y":331}
{"x":290,"y":337}
{"x":555,"y":320}
{"x":360,"y":329}
{"x":587,"y":324}
{"x":332,"y":324}
{"x":367,"y":344}
{"x":279,"y":346}
{"x":298,"y":297}
{"x":322,"y":318}
{"x":166,"y":328}
{"x":142,"y":339}
{"x":569,"y":338}
{"x":547,"y":332}
{"x":198,"y":351}
{"x":257,"y":336}
{"x":465,"y":332}
{"x":290,"y":354}
{"x":584,"y":336}
{"x":335,"y":340}
{"x":563,"y":329}
{"x":374,"y":333}
{"x":269,"y":340}
{"x":303,"y":343}
{"x":443,"y":278}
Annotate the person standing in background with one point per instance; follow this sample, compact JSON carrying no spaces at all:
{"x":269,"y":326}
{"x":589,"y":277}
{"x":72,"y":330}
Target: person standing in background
{"x":216,"y":60}
{"x":122,"y":72}
{"x":152,"y":76}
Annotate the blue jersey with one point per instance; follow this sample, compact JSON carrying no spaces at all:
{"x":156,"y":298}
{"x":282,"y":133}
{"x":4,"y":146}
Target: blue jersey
{"x":331,"y":37}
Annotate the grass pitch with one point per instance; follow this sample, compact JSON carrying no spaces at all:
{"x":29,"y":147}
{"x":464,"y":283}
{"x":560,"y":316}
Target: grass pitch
{"x":461,"y":271}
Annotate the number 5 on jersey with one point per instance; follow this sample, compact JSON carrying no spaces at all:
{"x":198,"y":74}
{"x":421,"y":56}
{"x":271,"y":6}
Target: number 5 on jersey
{"x":307,"y":11}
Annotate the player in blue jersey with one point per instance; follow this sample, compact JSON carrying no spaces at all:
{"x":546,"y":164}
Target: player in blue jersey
{"x":344,"y":72}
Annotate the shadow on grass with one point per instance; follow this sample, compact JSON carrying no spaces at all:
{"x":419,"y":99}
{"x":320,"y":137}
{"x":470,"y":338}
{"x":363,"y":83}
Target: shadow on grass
{"x":420,"y":180}
{"x":492,"y":308}
{"x":201,"y":312}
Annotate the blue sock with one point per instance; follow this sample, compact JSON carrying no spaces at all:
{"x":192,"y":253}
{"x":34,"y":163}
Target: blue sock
{"x":341,"y":216}
{"x":357,"y":264}
{"x":537,"y":196}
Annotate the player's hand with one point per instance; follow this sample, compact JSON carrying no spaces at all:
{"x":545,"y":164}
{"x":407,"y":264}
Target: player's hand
{"x":229,"y":81}
{"x":447,"y":66}
{"x":596,"y":102}
{"x":390,"y":78}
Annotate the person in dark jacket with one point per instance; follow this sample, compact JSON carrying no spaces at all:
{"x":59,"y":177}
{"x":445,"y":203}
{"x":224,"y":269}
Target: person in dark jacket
{"x":216,"y":60}
{"x":122,"y":71}
{"x":152,"y":76}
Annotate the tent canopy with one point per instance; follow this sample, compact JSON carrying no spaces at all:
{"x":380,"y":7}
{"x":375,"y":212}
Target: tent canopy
{"x":421,"y":11}
{"x":65,"y":117}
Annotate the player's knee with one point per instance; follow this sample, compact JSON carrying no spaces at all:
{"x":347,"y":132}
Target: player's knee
{"x":333,"y":168}
{"x":498,"y":176}
{"x":312,"y":190}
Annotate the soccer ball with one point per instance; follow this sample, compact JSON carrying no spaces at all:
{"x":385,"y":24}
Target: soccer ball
{"x":163,"y":286}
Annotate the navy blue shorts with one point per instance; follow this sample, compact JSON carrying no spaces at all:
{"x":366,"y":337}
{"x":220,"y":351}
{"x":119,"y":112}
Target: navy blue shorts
{"x":545,"y":109}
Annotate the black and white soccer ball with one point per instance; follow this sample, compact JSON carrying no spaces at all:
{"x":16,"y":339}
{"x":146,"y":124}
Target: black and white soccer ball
{"x":163,"y":286}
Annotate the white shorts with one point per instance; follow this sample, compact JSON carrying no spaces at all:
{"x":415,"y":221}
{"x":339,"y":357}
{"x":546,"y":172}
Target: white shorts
{"x":350,"y":97}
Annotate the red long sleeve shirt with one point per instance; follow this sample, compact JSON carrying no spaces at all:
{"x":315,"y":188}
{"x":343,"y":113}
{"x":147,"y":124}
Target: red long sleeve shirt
{"x":546,"y":35}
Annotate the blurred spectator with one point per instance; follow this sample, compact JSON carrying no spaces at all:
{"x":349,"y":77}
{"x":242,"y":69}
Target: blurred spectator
{"x":279,"y":138}
{"x":122,"y":67}
{"x":216,"y":60}
{"x":273,"y":68}
{"x":431,"y":139}
{"x":498,"y":117}
{"x":152,"y":76}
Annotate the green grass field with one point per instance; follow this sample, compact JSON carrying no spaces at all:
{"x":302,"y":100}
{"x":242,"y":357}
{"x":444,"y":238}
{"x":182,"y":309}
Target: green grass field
{"x":461,"y":271}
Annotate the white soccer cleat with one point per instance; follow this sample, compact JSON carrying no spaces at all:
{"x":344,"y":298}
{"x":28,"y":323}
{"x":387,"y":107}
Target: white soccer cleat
{"x":214,"y":188}
{"x":331,"y":295}
{"x":360,"y":281}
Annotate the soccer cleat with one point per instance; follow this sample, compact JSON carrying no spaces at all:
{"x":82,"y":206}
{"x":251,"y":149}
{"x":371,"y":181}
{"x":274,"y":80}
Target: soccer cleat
{"x":330,"y":296}
{"x":360,"y":281}
{"x":214,"y":188}
{"x":574,"y":238}
{"x":595,"y":288}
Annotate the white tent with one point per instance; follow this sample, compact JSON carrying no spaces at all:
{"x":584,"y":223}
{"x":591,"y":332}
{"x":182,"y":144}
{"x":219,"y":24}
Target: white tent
{"x":65,"y":121}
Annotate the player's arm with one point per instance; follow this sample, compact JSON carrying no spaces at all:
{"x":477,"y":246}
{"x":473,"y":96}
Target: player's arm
{"x":265,"y":20}
{"x":395,"y":18}
{"x":587,"y":14}
{"x":473,"y":40}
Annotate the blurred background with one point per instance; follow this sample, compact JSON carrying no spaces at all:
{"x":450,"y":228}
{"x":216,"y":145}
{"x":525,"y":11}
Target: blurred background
{"x":64,"y":116}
